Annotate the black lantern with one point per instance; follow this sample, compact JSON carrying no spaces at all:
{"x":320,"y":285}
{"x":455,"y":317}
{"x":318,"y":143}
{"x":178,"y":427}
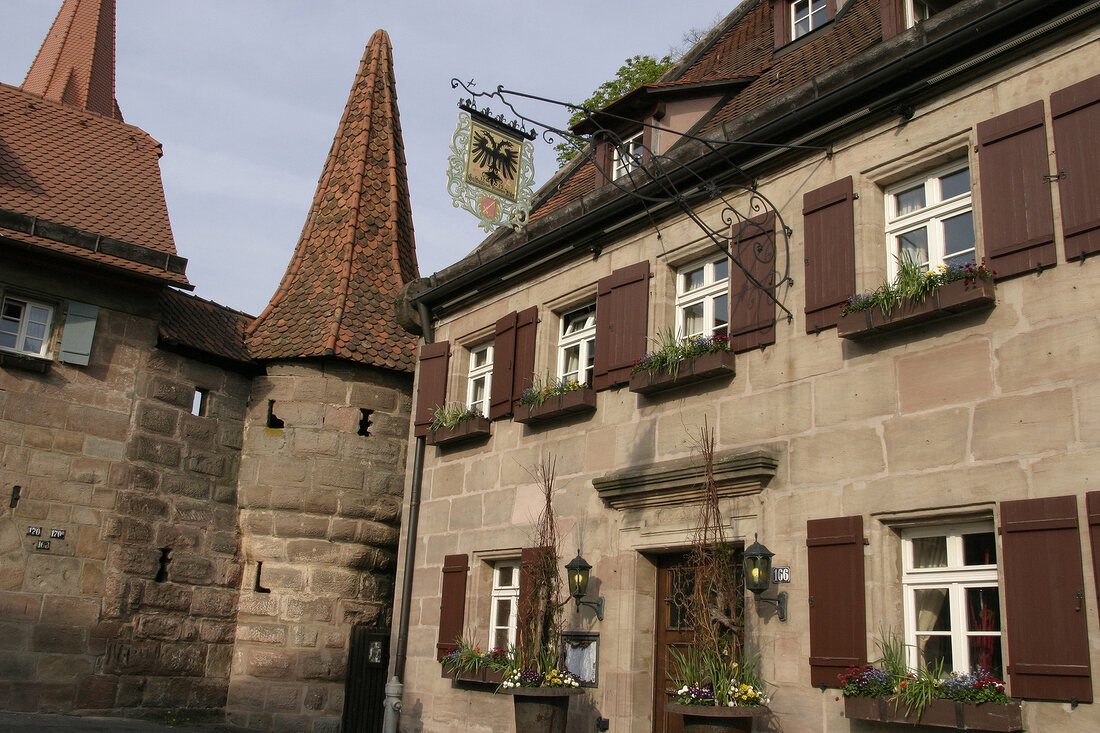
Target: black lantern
{"x":578,"y":572}
{"x":757,"y":561}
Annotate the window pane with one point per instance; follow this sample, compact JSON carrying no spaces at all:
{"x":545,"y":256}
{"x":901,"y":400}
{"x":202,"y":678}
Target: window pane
{"x":955,"y":184}
{"x":721,"y":314}
{"x":933,"y":610}
{"x":958,"y":235}
{"x":691,"y":280}
{"x":36,"y":330}
{"x":985,"y":652}
{"x":572,"y":361}
{"x":930,"y":552}
{"x":979,"y":548}
{"x":911,"y":200}
{"x":500,"y":638}
{"x":8,"y":331}
{"x":504,"y":612}
{"x":31,"y":345}
{"x":504,"y":576}
{"x":934,"y":648}
{"x":913,"y":246}
{"x":477,"y":391}
{"x":721,"y":270}
{"x":983,"y":609}
{"x":13,"y":311}
{"x":693,"y":319}
{"x":39,"y":315}
{"x":479,"y":358}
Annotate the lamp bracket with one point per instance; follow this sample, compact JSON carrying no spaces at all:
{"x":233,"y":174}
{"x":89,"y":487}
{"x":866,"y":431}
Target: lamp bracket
{"x":596,"y":604}
{"x":780,"y":603}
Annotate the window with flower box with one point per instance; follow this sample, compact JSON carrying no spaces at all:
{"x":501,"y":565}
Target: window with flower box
{"x":577,"y":345}
{"x":480,"y":376}
{"x":952,"y":605}
{"x":505,"y":604}
{"x":702,"y":298}
{"x":930,"y":219}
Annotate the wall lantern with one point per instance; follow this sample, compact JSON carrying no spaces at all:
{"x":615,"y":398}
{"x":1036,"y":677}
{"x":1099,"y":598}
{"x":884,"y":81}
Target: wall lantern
{"x":758,"y":576}
{"x":578,"y":571}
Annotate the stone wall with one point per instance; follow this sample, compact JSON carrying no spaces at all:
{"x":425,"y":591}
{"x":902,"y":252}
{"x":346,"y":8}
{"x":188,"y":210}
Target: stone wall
{"x":320,"y":501}
{"x":110,"y":455}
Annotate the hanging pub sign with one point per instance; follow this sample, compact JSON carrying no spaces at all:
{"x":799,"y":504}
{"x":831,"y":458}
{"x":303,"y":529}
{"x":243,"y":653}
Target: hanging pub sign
{"x":491,"y":170}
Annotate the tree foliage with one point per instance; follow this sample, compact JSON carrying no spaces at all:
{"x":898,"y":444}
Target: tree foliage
{"x":635,"y":71}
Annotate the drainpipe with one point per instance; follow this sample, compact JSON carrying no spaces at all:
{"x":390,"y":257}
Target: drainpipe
{"x":395,"y":686}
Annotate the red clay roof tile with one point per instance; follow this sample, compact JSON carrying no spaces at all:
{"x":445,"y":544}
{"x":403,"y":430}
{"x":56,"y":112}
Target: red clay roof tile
{"x":356,"y":250}
{"x":193,"y":323}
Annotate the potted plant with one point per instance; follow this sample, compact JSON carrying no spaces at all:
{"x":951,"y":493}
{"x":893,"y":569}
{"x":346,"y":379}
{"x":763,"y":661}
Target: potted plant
{"x":467,"y":663}
{"x":916,"y":296}
{"x":677,"y":362}
{"x":889,"y":691}
{"x":716,"y":680}
{"x":535,"y":675}
{"x":548,"y":398}
{"x":455,"y":423}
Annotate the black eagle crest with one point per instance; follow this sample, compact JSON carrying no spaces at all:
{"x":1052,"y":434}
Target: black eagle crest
{"x":498,"y":157}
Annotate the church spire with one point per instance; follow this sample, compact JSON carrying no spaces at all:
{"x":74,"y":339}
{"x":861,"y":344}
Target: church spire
{"x":356,"y":250}
{"x":76,"y":64}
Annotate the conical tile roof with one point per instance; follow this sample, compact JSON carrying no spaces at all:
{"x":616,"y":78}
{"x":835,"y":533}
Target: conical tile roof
{"x":356,"y":250}
{"x":76,"y":64}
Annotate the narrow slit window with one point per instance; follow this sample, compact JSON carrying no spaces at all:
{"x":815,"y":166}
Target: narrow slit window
{"x":364,"y":422}
{"x":200,"y":402}
{"x":273,"y":420}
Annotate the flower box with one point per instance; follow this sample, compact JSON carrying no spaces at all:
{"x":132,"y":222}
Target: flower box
{"x":473,"y":429}
{"x":483,"y":676}
{"x":542,"y":709}
{"x":945,"y":301}
{"x":566,"y":403}
{"x":987,"y":716}
{"x":714,"y":719}
{"x":696,"y":369}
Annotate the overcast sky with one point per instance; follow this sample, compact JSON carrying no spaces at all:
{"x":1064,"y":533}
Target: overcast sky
{"x":245,"y":96}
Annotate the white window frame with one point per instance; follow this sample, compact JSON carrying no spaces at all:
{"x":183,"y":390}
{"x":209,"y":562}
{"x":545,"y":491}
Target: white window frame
{"x":584,"y":339}
{"x":713,"y":289}
{"x":814,"y":12}
{"x":931,"y":216}
{"x":509,"y":593}
{"x":627,"y":156}
{"x":956,"y":578}
{"x":917,"y":11}
{"x":24,"y":322}
{"x":480,"y":374}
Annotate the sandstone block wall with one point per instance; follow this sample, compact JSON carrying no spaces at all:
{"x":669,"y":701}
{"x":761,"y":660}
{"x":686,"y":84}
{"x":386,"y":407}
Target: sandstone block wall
{"x":320,"y":502}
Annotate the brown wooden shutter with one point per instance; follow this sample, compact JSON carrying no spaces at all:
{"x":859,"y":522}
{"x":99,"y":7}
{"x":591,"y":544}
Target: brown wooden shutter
{"x":529,"y":559}
{"x":1017,"y":215}
{"x":781,"y":22}
{"x":452,"y":605}
{"x":526,"y":321}
{"x":431,"y":391}
{"x":622,"y":310}
{"x":601,"y":157}
{"x":838,"y":618}
{"x":1092,"y":507}
{"x":1076,"y":114}
{"x":504,"y":356}
{"x":1045,"y":616}
{"x":830,"y":241}
{"x":892,"y":14}
{"x":752,"y":310}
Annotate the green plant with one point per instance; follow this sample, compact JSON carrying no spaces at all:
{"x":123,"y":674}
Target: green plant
{"x":468,"y":657}
{"x":452,"y":414}
{"x":912,"y":282}
{"x":544,"y":387}
{"x":671,"y":350}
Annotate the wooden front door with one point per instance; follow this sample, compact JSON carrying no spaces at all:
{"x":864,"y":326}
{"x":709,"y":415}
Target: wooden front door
{"x":674,"y":585}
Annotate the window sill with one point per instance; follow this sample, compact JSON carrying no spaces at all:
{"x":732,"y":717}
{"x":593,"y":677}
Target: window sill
{"x":939,"y":713}
{"x":25,"y":362}
{"x":568,"y":403}
{"x":946,"y":301}
{"x":695,"y":369}
{"x":467,"y":430}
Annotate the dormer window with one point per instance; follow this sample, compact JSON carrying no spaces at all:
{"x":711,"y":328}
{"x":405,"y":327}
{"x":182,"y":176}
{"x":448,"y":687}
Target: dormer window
{"x":627,"y":157}
{"x":917,"y":11}
{"x":807,"y":15}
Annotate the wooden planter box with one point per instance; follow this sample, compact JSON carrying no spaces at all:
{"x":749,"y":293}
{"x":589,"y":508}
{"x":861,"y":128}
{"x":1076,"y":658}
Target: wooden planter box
{"x":542,"y":709}
{"x":567,"y":403}
{"x":474,"y":429}
{"x":987,"y":716}
{"x":483,"y":676}
{"x":695,"y":369}
{"x":944,"y":302}
{"x":713,"y":719}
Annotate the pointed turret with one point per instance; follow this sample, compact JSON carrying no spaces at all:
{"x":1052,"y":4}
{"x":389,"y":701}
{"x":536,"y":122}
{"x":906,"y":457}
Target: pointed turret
{"x":76,"y":64}
{"x":356,"y":250}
